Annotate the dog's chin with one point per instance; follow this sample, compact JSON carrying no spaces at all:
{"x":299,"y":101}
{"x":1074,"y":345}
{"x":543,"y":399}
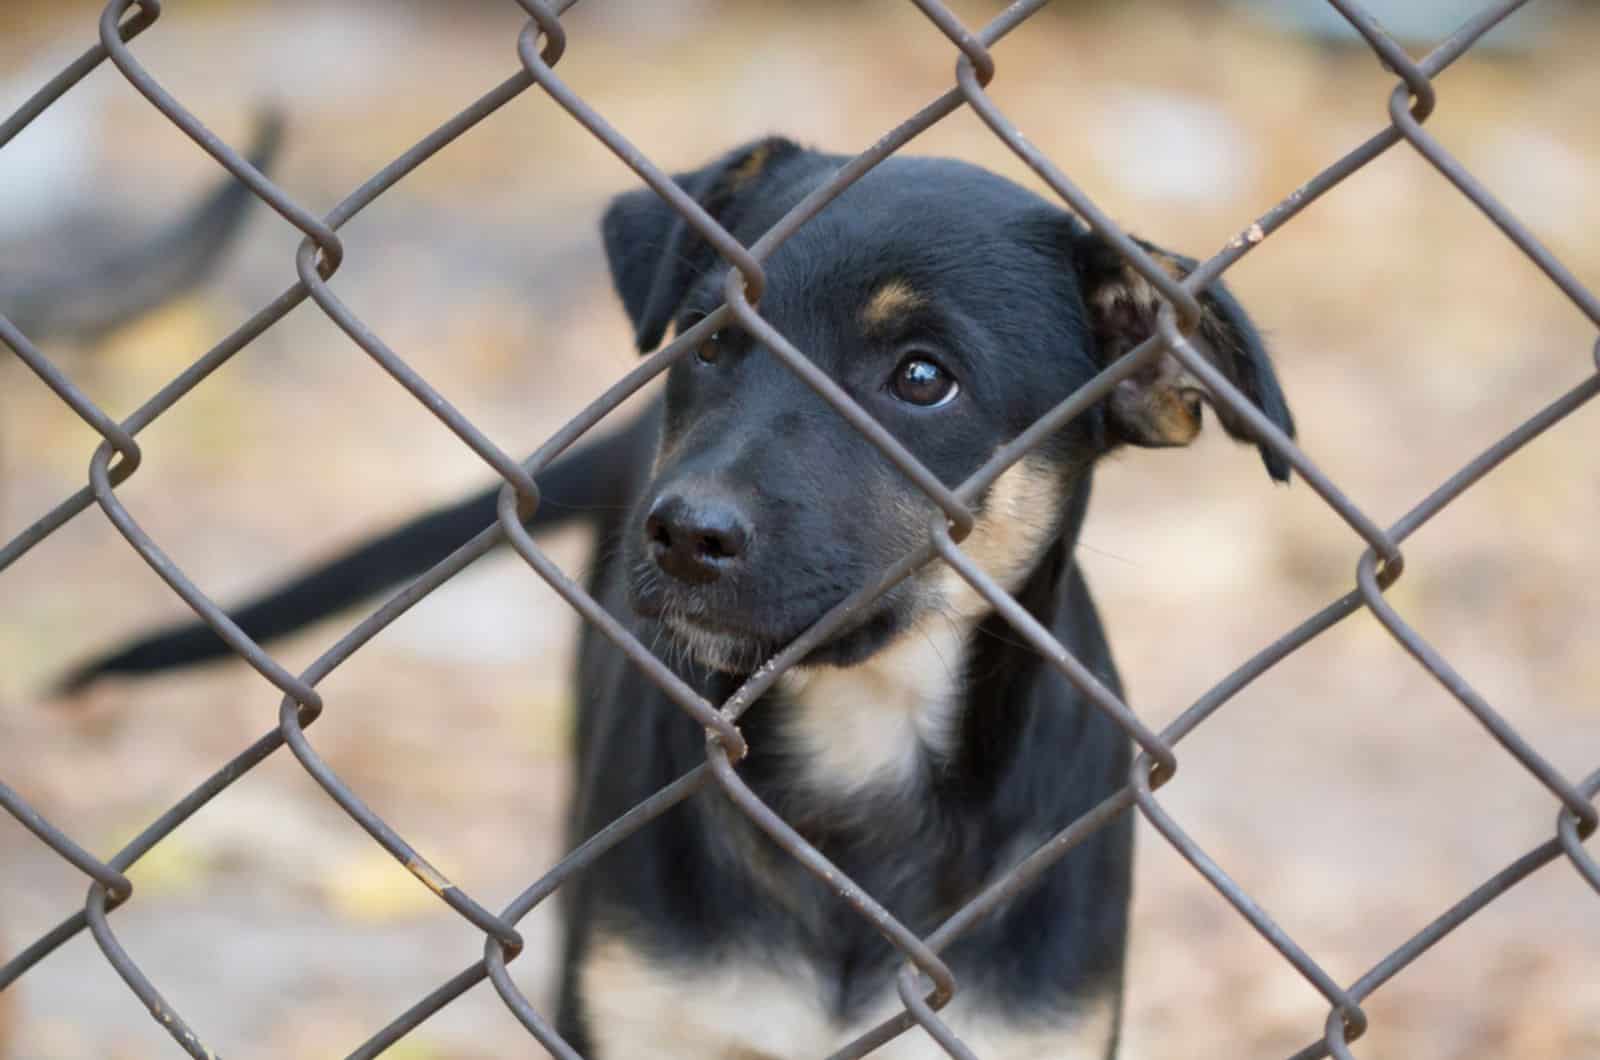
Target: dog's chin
{"x":719,"y":650}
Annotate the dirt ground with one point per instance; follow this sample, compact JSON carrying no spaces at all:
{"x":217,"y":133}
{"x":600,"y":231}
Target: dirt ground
{"x":1345,"y":790}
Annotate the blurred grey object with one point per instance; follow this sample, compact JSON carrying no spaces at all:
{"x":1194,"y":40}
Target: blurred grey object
{"x":111,"y":282}
{"x":1415,"y":23}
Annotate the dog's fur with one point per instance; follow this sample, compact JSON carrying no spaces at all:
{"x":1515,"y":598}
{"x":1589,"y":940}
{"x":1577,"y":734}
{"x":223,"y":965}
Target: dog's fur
{"x":924,"y":750}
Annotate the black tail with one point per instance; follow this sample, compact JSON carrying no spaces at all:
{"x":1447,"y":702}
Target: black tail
{"x":582,"y":485}
{"x":132,"y":280}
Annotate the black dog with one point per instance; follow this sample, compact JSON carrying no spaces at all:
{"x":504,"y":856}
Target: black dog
{"x":922,"y":750}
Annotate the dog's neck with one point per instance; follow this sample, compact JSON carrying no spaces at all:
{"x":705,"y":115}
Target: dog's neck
{"x":943,"y":703}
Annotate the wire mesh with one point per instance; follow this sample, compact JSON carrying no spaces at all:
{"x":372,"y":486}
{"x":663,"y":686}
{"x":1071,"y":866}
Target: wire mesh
{"x":925,"y":983}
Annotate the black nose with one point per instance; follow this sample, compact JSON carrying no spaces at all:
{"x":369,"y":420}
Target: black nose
{"x":695,"y":538}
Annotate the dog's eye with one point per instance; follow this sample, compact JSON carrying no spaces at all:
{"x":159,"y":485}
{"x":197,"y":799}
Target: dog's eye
{"x":919,"y":381}
{"x":710,"y":351}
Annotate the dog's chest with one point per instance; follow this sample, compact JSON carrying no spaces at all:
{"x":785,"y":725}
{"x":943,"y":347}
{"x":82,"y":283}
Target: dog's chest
{"x":877,"y":723}
{"x":764,"y":1008}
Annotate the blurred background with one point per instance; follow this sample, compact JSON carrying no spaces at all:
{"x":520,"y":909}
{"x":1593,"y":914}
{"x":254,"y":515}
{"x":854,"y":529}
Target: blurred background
{"x":1346,"y":791}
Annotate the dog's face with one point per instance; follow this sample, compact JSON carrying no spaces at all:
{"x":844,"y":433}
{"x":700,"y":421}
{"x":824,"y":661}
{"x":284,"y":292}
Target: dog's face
{"x":953,"y":306}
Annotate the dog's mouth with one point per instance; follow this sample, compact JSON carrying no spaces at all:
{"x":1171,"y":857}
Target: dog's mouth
{"x":735,"y":649}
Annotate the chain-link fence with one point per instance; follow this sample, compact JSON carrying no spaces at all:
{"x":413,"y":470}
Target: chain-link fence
{"x":925,"y":984}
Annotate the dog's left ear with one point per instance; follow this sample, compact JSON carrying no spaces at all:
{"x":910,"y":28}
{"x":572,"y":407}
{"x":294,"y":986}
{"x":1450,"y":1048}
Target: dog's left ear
{"x":655,"y":255}
{"x":1160,"y":404}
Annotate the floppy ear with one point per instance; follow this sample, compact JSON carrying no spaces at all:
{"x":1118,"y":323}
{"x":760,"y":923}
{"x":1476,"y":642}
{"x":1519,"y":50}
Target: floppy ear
{"x":1160,"y":404}
{"x":655,"y":255}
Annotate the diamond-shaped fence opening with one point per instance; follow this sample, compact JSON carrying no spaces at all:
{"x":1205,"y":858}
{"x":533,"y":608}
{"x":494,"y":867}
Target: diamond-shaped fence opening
{"x":1377,"y":551}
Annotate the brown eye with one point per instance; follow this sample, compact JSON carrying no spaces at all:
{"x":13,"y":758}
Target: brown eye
{"x":710,"y":351}
{"x":919,"y":381}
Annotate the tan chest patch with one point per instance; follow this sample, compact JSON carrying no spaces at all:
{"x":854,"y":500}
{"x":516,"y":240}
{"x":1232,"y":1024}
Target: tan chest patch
{"x":758,"y":1009}
{"x":870,"y":724}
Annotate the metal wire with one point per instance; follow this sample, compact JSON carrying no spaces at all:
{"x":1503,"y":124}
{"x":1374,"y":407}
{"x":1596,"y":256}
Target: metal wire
{"x":925,"y":984}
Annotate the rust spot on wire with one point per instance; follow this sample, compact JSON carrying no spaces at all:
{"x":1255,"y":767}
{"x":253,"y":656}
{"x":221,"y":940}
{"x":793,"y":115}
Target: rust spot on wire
{"x":429,"y":875}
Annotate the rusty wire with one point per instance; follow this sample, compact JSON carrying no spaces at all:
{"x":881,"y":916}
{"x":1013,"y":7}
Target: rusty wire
{"x":925,"y":984}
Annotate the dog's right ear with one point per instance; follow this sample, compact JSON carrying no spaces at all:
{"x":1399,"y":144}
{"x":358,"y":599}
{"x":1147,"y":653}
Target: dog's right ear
{"x":655,"y":255}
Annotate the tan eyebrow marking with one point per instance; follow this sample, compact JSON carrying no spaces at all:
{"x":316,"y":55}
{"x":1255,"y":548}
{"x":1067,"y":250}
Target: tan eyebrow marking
{"x":751,"y":168}
{"x":893,"y":299}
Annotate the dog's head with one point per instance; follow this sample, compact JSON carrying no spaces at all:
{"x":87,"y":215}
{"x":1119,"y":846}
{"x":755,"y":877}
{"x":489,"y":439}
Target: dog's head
{"x":956,"y":308}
